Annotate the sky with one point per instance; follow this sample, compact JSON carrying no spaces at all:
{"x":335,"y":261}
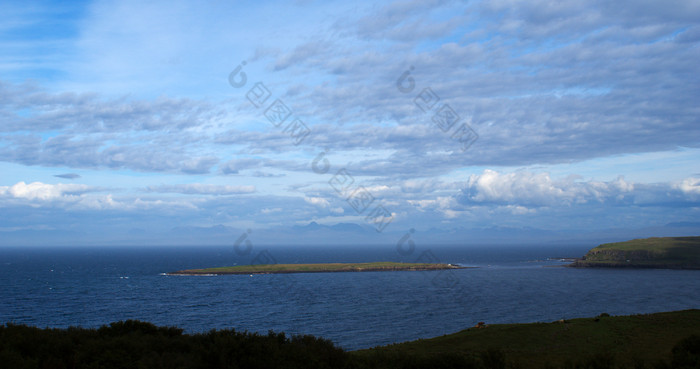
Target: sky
{"x":177,"y":122}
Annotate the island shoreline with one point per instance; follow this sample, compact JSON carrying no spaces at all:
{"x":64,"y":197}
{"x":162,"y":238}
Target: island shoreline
{"x":321,"y":268}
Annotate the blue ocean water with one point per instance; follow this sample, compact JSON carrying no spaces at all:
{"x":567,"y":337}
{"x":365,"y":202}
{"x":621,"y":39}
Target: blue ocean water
{"x":90,"y":287}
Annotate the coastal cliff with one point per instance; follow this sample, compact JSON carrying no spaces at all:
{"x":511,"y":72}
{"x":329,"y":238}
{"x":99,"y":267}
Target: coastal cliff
{"x":655,"y":252}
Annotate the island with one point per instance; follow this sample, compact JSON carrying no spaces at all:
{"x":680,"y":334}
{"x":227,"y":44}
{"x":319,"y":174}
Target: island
{"x":384,"y":266}
{"x":654,"y":252}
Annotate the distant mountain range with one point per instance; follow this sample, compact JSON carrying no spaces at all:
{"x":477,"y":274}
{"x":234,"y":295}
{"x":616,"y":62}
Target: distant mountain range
{"x":314,"y":233}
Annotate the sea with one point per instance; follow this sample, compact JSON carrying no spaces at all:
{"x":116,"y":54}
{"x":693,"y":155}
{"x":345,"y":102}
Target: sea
{"x":93,"y":286}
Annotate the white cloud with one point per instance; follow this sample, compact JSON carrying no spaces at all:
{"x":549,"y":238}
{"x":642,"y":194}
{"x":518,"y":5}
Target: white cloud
{"x":80,"y":197}
{"x":43,"y":191}
{"x":441,"y":203}
{"x":520,"y":210}
{"x":378,"y":190}
{"x":318,"y":201}
{"x":690,"y":186}
{"x":201,"y":189}
{"x":518,"y":187}
{"x":270,"y":210}
{"x":539,"y":189}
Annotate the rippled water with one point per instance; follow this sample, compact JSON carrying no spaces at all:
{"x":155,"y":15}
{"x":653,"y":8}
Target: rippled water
{"x":94,"y":286}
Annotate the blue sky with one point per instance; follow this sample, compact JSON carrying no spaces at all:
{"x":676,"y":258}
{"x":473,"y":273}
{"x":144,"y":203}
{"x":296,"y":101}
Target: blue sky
{"x":468,"y":122}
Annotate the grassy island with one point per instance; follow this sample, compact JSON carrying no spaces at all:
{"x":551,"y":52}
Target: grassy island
{"x":384,"y":266}
{"x":655,"y":252}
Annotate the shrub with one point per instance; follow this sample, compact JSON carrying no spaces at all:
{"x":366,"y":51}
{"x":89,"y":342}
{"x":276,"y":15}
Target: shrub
{"x":686,"y":353}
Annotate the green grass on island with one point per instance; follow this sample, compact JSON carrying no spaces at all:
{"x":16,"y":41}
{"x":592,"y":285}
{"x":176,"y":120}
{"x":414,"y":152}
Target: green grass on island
{"x":655,"y":252}
{"x":317,"y":268}
{"x":661,"y":340}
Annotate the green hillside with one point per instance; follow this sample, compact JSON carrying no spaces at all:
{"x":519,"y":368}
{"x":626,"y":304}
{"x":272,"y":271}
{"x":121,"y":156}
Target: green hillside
{"x":662,"y":340}
{"x":602,"y":342}
{"x":655,"y":252}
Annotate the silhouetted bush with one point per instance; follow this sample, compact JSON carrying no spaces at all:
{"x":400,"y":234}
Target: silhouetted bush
{"x":686,"y":353}
{"x":139,"y":345}
{"x":134,"y":344}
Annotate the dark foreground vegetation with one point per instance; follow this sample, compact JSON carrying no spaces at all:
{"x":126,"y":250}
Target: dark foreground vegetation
{"x":664,"y":340}
{"x":135,"y":344}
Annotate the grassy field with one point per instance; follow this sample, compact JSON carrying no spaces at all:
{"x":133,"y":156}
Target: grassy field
{"x":655,"y":252}
{"x":317,"y":268}
{"x":659,"y":341}
{"x":619,"y":341}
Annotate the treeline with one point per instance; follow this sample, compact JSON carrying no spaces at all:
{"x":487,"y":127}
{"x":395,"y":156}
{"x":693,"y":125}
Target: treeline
{"x":134,"y":344}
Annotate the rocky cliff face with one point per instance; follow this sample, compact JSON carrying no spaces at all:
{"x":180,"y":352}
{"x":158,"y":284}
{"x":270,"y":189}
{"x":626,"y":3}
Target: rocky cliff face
{"x":623,"y":255}
{"x":632,"y":259}
{"x":654,"y":252}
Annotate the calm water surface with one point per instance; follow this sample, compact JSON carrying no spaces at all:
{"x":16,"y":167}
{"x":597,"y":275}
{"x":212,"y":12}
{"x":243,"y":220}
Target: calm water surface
{"x":90,"y":287}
